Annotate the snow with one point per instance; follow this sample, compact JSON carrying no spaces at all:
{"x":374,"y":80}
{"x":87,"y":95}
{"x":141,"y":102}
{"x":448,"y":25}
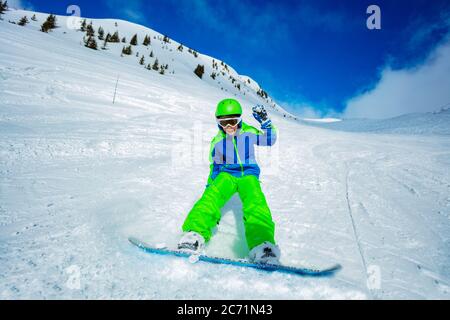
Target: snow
{"x":79,"y":175}
{"x":435,"y":123}
{"x":321,"y":120}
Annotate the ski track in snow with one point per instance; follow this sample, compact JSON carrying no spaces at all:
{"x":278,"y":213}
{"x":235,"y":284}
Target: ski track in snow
{"x":79,"y":175}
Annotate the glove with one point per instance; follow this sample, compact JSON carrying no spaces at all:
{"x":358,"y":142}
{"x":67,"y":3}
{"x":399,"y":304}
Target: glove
{"x":260,"y":114}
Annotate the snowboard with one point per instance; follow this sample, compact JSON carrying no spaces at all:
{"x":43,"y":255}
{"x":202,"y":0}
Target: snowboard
{"x":301,"y":271}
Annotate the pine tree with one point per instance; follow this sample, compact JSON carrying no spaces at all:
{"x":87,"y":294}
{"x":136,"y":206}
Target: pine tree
{"x":151,"y":54}
{"x":149,"y":66}
{"x":199,"y":71}
{"x":161,"y":71}
{"x":180,"y":48}
{"x":90,"y":30}
{"x":115,"y":38}
{"x":262,"y":93}
{"x":146,"y":41}
{"x":91,"y":43}
{"x":166,"y":39}
{"x":3,"y":6}
{"x":134,"y":40}
{"x":155,"y":65}
{"x":127,"y":50}
{"x":83,"y":25}
{"x":213,"y":75}
{"x":49,"y":24}
{"x":52,"y":20}
{"x":142,"y":61}
{"x":124,"y":40}
{"x":101,"y":33}
{"x":24,"y":21}
{"x":34,"y":17}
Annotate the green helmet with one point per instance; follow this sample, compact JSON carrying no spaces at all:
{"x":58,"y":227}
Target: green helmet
{"x":228,"y":107}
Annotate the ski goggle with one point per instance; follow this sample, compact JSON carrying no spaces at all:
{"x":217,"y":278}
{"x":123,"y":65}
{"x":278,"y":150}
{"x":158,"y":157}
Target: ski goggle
{"x":223,"y":122}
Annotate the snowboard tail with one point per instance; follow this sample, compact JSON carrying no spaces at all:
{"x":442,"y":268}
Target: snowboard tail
{"x":302,"y":271}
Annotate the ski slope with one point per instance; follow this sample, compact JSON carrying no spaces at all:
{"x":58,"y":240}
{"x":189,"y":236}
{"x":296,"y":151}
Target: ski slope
{"x":79,"y":175}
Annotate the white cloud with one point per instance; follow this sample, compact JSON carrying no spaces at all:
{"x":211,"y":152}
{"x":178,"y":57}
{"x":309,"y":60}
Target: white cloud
{"x":421,"y":89}
{"x":132,"y":9}
{"x":20,"y":4}
{"x":135,"y":15}
{"x":301,"y":109}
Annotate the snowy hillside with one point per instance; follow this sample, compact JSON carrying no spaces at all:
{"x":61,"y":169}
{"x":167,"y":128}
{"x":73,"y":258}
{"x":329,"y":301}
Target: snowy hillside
{"x":176,"y":60}
{"x":78,"y":175}
{"x":415,"y":123}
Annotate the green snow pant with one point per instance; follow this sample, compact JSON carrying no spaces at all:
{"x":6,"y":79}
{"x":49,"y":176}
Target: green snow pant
{"x":205,"y":214}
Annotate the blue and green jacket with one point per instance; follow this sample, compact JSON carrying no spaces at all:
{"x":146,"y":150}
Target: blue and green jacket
{"x":236,"y":154}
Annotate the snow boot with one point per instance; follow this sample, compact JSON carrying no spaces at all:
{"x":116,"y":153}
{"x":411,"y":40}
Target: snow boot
{"x":266,"y":252}
{"x":191,"y":242}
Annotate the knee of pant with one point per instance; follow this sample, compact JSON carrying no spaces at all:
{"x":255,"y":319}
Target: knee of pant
{"x":254,"y":212}
{"x":251,"y":192}
{"x":255,"y":200}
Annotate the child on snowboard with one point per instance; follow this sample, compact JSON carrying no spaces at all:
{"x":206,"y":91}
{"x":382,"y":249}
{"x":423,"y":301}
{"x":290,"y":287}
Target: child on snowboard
{"x":234,"y":169}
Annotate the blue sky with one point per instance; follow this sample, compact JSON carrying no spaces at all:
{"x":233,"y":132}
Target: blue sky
{"x":304,"y":53}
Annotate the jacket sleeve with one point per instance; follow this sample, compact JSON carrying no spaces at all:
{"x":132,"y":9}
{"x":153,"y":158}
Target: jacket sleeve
{"x":267,"y":136}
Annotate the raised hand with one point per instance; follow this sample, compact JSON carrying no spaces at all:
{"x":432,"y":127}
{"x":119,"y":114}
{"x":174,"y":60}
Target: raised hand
{"x":260,"y":114}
